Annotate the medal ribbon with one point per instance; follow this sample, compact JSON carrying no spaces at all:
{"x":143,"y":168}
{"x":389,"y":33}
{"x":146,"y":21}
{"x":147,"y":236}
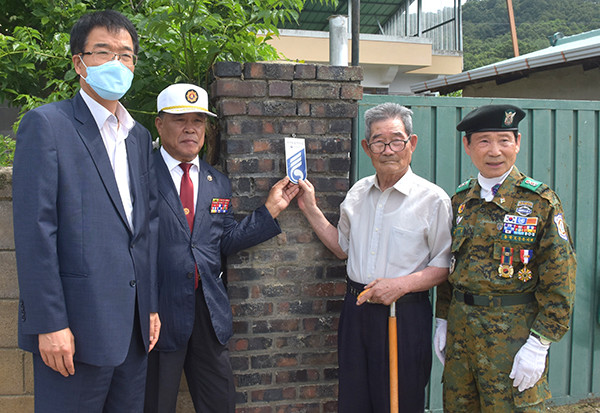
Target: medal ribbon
{"x":507,"y":256}
{"x":505,"y":270}
{"x":525,"y":256}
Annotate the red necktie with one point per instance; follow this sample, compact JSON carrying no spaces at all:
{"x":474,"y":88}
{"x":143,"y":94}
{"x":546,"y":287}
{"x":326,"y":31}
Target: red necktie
{"x":186,"y":193}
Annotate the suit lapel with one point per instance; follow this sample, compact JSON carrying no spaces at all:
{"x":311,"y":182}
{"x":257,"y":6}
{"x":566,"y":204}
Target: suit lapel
{"x":133,"y":161}
{"x":90,"y":135}
{"x":205,"y":179}
{"x":168,"y":191}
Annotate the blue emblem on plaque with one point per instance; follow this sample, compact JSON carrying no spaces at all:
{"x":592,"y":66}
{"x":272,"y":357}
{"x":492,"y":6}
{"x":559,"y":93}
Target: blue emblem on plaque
{"x":296,"y":166}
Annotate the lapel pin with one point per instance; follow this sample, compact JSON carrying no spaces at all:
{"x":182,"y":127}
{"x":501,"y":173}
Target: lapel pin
{"x":209,"y":178}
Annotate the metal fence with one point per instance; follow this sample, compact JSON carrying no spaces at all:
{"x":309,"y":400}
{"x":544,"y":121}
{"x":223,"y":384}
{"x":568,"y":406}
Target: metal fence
{"x":560,"y":147}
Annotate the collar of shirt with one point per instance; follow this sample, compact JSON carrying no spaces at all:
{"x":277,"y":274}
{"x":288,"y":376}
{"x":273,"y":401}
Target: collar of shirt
{"x":101,"y":114}
{"x":177,"y":172}
{"x":173,"y":164}
{"x":403,"y":185}
{"x":487,"y":184}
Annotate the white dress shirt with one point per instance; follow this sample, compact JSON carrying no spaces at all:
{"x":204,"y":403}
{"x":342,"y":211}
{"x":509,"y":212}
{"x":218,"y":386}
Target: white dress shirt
{"x":393,"y":233}
{"x":177,"y":172}
{"x":488,"y":183}
{"x":114,"y":130}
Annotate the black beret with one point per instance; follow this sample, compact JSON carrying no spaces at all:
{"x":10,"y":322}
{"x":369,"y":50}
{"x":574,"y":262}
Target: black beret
{"x":491,"y":118}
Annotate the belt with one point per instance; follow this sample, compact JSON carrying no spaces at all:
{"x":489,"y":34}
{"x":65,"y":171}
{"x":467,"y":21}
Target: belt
{"x":353,"y":288}
{"x":493,"y":301}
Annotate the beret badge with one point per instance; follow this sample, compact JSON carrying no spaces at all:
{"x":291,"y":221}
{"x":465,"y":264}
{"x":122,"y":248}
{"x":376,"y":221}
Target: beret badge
{"x":509,"y":117}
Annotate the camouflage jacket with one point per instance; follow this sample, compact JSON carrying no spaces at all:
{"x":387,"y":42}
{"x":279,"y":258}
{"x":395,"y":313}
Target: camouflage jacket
{"x":525,"y":215}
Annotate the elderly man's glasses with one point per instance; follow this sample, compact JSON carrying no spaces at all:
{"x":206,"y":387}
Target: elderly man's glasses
{"x":396,"y":145}
{"x":104,"y":56}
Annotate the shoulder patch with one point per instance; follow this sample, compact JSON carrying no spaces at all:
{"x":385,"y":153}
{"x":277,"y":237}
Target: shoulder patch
{"x":531,"y":184}
{"x":465,"y":185}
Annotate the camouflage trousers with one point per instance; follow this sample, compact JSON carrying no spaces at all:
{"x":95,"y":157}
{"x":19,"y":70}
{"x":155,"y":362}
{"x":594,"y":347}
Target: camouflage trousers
{"x":480,"y":348}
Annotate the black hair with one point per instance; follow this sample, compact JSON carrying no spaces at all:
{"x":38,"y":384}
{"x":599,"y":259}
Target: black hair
{"x":112,"y":20}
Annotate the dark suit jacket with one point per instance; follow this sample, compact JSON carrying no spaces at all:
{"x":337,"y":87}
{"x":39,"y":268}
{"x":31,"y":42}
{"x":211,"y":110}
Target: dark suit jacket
{"x":79,"y":264}
{"x":214,"y":235}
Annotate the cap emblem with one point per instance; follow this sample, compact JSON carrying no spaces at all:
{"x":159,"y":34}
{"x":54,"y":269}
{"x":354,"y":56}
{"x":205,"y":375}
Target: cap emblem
{"x":191,"y":96}
{"x":509,"y":116}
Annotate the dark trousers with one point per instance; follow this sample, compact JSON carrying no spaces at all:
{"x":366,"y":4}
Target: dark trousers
{"x":207,"y":369}
{"x":363,"y":356}
{"x":94,"y":389}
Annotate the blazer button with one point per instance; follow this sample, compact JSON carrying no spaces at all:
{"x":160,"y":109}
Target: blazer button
{"x":133,"y":283}
{"x":190,"y":275}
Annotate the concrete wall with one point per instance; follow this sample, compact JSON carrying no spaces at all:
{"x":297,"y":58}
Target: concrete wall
{"x":286,"y":293}
{"x":16,"y":380}
{"x":566,"y":83}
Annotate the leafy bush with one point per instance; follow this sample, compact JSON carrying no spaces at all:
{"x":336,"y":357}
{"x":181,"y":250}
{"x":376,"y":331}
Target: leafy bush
{"x":7,"y":150}
{"x":180,"y":40}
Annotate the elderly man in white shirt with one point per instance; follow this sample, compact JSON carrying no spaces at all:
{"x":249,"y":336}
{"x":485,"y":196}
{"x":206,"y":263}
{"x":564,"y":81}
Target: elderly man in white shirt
{"x":394,"y":231}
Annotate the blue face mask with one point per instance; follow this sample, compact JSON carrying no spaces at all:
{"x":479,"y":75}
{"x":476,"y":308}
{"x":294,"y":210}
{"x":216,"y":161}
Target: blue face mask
{"x":110,"y":80}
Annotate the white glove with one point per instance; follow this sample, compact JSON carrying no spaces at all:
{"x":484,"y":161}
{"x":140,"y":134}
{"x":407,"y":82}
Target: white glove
{"x":529,"y":364}
{"x":439,"y":339}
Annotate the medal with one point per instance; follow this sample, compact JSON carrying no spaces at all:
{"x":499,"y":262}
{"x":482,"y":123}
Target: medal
{"x":506,"y":270}
{"x":525,"y":273}
{"x":219,"y":205}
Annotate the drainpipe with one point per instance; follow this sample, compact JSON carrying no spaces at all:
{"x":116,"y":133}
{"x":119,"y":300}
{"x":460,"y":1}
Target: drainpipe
{"x":355,"y":30}
{"x":338,"y":41}
{"x":355,"y":22}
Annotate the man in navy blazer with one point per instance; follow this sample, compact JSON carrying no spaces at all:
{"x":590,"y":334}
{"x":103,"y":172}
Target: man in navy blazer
{"x":193,"y":303}
{"x":85,"y":224}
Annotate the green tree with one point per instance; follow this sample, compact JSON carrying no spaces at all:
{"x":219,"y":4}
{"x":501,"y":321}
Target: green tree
{"x":486,"y":30}
{"x":180,"y":40}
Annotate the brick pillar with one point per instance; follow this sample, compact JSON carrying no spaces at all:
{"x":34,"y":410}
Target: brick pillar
{"x":286,"y":293}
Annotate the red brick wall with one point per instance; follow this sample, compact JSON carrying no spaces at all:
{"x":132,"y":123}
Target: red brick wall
{"x":286,"y":293}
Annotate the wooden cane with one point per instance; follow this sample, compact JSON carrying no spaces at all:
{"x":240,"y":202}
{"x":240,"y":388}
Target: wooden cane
{"x":393,"y":356}
{"x":393,"y":348}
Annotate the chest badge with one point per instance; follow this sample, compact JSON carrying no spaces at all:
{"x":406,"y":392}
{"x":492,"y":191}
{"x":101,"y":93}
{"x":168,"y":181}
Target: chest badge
{"x":520,"y":229}
{"x":525,"y":273}
{"x":524,"y":208}
{"x":461,"y":208}
{"x":506,"y":270}
{"x":219,"y":205}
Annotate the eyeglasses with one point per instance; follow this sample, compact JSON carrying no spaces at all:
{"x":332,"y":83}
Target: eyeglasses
{"x":395,"y":145}
{"x":104,"y":56}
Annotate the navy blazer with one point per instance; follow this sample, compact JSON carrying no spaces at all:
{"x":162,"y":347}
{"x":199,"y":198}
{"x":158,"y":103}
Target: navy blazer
{"x":79,"y":264}
{"x":214,"y":235}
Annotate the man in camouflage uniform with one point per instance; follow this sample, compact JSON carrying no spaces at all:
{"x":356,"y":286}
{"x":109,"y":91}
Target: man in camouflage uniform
{"x":512,"y":278}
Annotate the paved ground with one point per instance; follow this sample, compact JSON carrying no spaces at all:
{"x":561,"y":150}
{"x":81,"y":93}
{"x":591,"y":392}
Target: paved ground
{"x":585,"y":406}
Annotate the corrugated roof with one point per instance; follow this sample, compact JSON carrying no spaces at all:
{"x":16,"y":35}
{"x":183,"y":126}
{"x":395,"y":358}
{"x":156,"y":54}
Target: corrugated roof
{"x":373,"y":14}
{"x":566,"y":51}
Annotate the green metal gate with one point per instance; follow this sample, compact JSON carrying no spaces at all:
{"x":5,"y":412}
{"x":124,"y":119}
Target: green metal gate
{"x":560,"y":147}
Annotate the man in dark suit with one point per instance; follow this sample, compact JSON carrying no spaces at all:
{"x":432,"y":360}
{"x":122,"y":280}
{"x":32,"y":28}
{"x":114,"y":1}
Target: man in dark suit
{"x":193,"y":303}
{"x":85,"y":224}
